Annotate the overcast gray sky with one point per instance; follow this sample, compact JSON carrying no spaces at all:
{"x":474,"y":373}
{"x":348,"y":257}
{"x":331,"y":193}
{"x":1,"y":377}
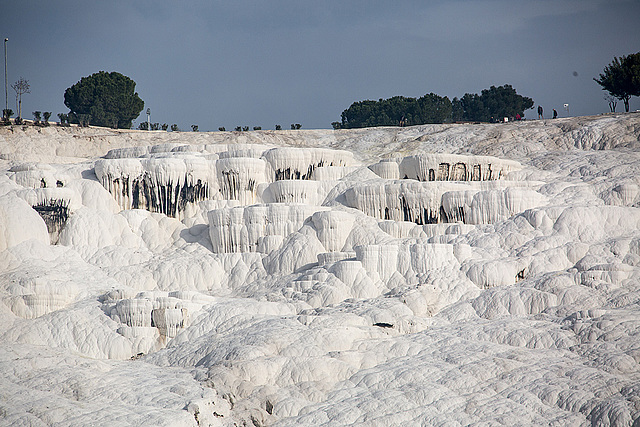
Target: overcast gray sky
{"x":262,"y":63}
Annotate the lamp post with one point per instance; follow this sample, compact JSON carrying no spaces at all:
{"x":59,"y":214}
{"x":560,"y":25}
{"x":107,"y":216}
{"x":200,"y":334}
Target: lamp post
{"x":566,"y":107}
{"x":6,"y":96}
{"x":148,"y":118}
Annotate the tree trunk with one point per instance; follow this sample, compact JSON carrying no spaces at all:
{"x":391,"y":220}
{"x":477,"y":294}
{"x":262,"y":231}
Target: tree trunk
{"x":626,"y":104}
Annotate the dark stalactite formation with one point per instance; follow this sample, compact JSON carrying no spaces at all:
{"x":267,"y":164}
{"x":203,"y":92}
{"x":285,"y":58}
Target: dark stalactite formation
{"x":55,"y":214}
{"x":168,"y":198}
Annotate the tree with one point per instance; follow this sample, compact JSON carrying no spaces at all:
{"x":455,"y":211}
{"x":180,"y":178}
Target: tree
{"x":221,"y":129}
{"x":174,"y":128}
{"x":457,"y":111}
{"x":621,"y":78}
{"x":37,"y":115}
{"x":194,"y":128}
{"x":21,"y":87}
{"x":434,"y":108}
{"x":109,"y":98}
{"x":396,"y":111}
{"x":611,"y":100}
{"x":493,"y":104}
{"x":278,"y":127}
{"x":83,"y":120}
{"x":46,"y":115}
{"x":6,"y":115}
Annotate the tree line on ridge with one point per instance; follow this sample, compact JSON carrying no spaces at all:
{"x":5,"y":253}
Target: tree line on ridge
{"x":109,"y":100}
{"x":491,"y":105}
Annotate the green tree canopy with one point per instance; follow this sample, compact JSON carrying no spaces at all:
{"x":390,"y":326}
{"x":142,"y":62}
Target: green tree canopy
{"x":109,"y":99}
{"x":491,"y":105}
{"x":621,"y":78}
{"x":396,"y":111}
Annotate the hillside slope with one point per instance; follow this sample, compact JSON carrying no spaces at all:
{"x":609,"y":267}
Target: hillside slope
{"x":517,"y":140}
{"x":440,"y":274}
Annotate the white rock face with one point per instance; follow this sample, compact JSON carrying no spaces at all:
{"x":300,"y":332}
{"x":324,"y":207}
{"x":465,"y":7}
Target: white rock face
{"x":292,"y":163}
{"x":488,"y":206}
{"x":333,"y":228}
{"x":239,"y":177}
{"x":387,"y":169}
{"x":451,"y":167}
{"x":297,"y":191}
{"x":19,"y":222}
{"x":243,"y":229}
{"x":438,"y":274}
{"x":162,"y":184}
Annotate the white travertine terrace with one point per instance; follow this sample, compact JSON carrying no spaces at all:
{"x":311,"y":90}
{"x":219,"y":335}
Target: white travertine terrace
{"x":243,"y":229}
{"x":19,"y":222}
{"x":240,"y":177}
{"x":438,"y":202}
{"x":489,"y":206}
{"x":135,"y":312}
{"x":455,"y":167}
{"x":434,"y":275}
{"x":333,"y":228}
{"x":402,"y":200}
{"x":164,"y":180}
{"x":386,"y":169}
{"x":298,"y":191}
{"x":163,"y":184}
{"x":292,"y":163}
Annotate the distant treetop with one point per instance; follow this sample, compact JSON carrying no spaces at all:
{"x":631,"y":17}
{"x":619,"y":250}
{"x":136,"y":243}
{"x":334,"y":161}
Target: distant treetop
{"x":104,"y":99}
{"x":491,"y":105}
{"x":621,"y":78}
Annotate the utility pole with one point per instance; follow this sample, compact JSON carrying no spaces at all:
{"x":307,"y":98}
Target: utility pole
{"x":6,"y":95}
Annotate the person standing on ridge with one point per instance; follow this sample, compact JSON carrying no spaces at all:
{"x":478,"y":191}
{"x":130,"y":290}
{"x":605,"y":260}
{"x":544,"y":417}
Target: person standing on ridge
{"x":540,"y":112}
{"x":555,"y":113}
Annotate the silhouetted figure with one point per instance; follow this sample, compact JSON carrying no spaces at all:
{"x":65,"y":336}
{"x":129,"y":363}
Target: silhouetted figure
{"x":555,"y":113}
{"x":540,"y":112}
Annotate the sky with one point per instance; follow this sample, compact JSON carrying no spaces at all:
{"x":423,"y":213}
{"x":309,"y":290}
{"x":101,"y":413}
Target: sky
{"x":261,"y":63}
